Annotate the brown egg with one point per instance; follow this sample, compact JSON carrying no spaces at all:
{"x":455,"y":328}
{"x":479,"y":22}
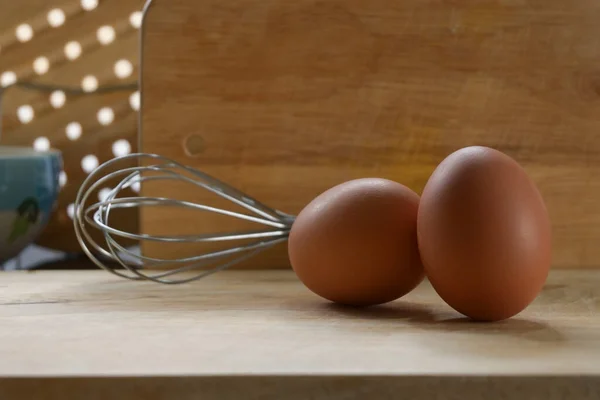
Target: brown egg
{"x":484,"y":234}
{"x":356,"y":243}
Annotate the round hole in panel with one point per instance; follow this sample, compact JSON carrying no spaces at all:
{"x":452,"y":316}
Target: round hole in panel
{"x":72,"y":50}
{"x":121,"y":148}
{"x":25,"y":114}
{"x":134,"y":101}
{"x":106,"y":116}
{"x":24,"y":33}
{"x":106,"y":34}
{"x":89,"y":163}
{"x":41,"y":144}
{"x":73,"y":130}
{"x":41,"y":65}
{"x":62,"y":178}
{"x":8,"y":78}
{"x":89,"y":5}
{"x":103,"y":194}
{"x":193,"y":145}
{"x":89,"y":83}
{"x":58,"y":98}
{"x":71,"y":210}
{"x":123,"y":69}
{"x":135,"y":19}
{"x":56,"y":17}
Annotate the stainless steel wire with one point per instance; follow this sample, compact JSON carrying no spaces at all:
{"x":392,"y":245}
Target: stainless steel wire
{"x":123,"y":262}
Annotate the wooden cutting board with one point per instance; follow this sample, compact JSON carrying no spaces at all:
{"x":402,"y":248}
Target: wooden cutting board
{"x":286,"y":99}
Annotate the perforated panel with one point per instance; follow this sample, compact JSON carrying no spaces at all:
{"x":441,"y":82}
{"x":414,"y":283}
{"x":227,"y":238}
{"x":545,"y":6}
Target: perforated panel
{"x":87,"y":45}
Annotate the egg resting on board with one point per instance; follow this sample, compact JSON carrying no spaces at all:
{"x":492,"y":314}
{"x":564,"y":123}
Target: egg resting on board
{"x":484,"y":234}
{"x":356,"y":243}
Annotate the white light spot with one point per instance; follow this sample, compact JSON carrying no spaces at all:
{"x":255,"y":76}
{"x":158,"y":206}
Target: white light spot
{"x":106,"y":34}
{"x":41,"y":65}
{"x":135,"y":19}
{"x":8,"y":78}
{"x":56,"y":17}
{"x":121,"y":148}
{"x":106,"y":116}
{"x":89,"y":5}
{"x":89,"y":163}
{"x":41,"y":144}
{"x":72,"y":50}
{"x":71,"y":210}
{"x":24,"y":32}
{"x":25,"y":113}
{"x":58,"y":99}
{"x":73,"y":130}
{"x":135,"y":186}
{"x":103,"y":194}
{"x":62,"y":178}
{"x":89,"y":83}
{"x":123,"y":69}
{"x":134,"y":101}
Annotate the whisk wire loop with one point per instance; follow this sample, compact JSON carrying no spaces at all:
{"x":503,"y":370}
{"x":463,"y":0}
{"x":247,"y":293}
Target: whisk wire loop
{"x":111,"y":254}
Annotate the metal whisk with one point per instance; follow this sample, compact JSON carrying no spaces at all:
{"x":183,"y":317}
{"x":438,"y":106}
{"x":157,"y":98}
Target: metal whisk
{"x":137,"y":266}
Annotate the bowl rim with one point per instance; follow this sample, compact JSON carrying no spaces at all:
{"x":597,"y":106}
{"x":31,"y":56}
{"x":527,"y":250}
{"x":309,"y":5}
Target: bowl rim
{"x":12,"y":152}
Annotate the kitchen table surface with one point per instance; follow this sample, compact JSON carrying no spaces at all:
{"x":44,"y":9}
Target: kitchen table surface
{"x":262,"y":334}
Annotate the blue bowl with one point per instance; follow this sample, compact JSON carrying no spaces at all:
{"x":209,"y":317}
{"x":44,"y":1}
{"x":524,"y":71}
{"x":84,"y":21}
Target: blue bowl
{"x":28,"y":195}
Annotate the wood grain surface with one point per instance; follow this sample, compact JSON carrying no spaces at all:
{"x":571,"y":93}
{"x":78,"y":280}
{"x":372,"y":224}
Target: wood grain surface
{"x":286,"y":99}
{"x":262,"y":334}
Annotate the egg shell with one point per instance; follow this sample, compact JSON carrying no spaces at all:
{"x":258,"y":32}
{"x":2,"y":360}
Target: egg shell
{"x":356,"y":243}
{"x":484,"y":234}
